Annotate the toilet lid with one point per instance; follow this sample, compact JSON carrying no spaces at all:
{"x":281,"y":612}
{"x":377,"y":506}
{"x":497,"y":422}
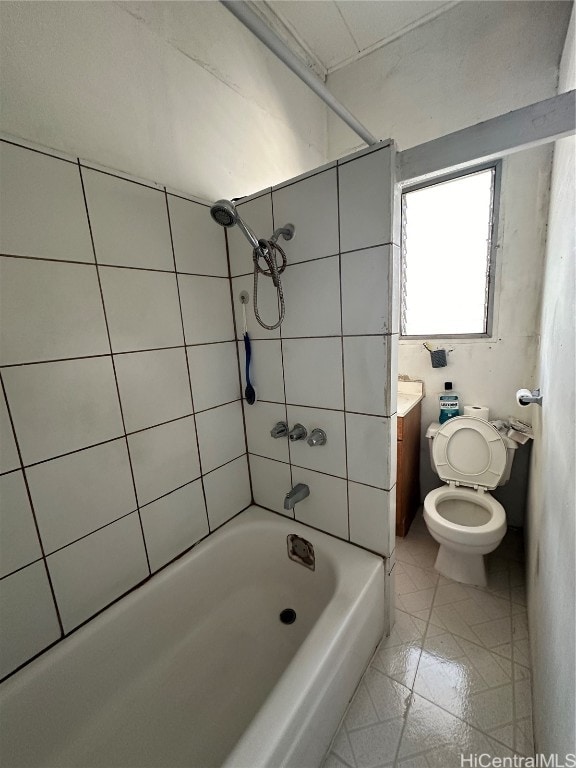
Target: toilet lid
{"x":469,"y":451}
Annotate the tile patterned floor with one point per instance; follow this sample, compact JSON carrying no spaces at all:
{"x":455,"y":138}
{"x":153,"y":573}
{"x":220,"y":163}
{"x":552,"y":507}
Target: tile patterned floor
{"x":454,"y":675}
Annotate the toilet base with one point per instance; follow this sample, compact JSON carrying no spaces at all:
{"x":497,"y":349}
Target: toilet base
{"x":459,"y":566}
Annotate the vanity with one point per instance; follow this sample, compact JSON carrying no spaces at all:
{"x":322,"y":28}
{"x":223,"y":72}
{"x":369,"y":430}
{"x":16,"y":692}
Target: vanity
{"x":408,"y":408}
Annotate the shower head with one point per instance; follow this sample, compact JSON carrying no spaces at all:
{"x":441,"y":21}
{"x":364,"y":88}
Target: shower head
{"x":224,"y":213}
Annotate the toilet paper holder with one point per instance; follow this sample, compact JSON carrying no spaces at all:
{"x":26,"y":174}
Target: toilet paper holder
{"x":525,"y":397}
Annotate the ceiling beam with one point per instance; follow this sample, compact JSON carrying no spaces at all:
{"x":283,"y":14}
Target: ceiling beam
{"x":530,"y":126}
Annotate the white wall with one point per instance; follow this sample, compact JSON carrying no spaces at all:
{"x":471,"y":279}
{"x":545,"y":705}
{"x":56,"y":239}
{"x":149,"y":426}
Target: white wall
{"x":478,"y":60}
{"x":119,"y":374}
{"x":176,"y":92}
{"x":490,"y":371}
{"x":552,"y":501}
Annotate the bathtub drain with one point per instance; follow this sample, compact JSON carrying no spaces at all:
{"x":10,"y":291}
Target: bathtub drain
{"x":288,"y":616}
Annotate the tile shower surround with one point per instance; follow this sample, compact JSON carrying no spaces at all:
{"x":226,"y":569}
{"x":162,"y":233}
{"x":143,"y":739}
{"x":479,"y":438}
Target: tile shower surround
{"x":128,"y":402}
{"x":66,"y":568}
{"x":331,"y":363}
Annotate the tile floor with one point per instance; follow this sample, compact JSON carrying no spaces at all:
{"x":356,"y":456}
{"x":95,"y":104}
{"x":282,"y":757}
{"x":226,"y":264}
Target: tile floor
{"x":454,"y":675}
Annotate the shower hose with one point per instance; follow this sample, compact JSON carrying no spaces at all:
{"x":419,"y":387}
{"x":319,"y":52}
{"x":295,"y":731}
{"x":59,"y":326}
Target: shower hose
{"x":268,"y":251}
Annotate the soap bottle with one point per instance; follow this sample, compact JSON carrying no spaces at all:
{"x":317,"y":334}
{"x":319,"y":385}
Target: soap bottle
{"x":449,"y":406}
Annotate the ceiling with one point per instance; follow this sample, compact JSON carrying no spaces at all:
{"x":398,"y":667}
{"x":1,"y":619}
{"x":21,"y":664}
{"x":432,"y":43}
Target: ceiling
{"x":333,"y":33}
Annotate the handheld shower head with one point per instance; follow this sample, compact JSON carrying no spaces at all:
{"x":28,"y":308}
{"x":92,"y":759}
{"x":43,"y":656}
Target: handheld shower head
{"x":224,"y":213}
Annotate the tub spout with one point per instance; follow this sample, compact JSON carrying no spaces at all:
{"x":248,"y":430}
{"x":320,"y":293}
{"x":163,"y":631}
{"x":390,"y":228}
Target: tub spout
{"x":298,"y":493}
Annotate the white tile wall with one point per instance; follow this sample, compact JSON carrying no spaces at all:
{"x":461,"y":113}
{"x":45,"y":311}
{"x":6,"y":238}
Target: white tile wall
{"x":174,"y":523}
{"x":317,"y":231}
{"x":8,"y":454}
{"x":67,"y":321}
{"x":199,"y":244}
{"x":206,"y":309}
{"x":368,"y":439}
{"x":372,"y":518}
{"x":327,"y":506}
{"x":62,"y":407}
{"x":365,"y":291}
{"x":313,"y":372}
{"x":214,"y":374}
{"x":329,"y":458}
{"x":73,"y":403}
{"x":154,"y":387}
{"x":313,"y":288}
{"x":43,"y":211}
{"x":258,"y":215}
{"x":337,"y":353}
{"x":27,"y":616}
{"x":102,"y":492}
{"x":142,"y":309}
{"x":19,"y":543}
{"x":227,"y":491}
{"x":129,"y":222}
{"x":94,"y":571}
{"x":71,"y":416}
{"x":366,"y":364}
{"x":260,"y":419}
{"x":366,"y":200}
{"x":270,"y":483}
{"x":220,"y":435}
{"x":164,"y":458}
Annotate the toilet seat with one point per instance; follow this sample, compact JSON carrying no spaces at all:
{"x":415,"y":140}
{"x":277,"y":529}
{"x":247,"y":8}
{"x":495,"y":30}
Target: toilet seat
{"x":469,"y":451}
{"x":482,"y":535}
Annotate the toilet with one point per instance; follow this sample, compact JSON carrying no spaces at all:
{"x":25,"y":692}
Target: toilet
{"x":472,"y":458}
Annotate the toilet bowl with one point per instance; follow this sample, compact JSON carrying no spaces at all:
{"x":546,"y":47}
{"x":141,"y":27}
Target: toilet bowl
{"x":471,"y":456}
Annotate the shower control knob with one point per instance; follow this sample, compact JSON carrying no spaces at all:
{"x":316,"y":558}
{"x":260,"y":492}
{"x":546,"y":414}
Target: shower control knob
{"x":317,"y":437}
{"x":279,"y":430}
{"x":298,"y":432}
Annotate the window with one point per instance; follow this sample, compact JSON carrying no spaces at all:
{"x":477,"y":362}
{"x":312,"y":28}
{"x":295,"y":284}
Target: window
{"x":448,"y":239}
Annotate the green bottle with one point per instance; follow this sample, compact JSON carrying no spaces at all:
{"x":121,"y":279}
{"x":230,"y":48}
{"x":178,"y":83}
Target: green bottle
{"x":449,"y":406}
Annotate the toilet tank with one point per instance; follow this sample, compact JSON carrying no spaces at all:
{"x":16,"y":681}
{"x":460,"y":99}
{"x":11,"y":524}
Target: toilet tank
{"x":510,"y":444}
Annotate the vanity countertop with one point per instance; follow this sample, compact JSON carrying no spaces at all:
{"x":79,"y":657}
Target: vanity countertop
{"x":409,"y":394}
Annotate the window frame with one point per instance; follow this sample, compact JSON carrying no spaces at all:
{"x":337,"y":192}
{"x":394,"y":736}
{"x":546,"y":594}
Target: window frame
{"x":496,"y":167}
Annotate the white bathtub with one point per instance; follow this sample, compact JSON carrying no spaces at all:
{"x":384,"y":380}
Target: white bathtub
{"x":195,"y":669}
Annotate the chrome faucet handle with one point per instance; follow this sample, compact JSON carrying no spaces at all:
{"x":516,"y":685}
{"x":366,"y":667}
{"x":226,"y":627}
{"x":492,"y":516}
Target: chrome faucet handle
{"x":280,"y":429}
{"x":298,"y":432}
{"x":317,"y":437}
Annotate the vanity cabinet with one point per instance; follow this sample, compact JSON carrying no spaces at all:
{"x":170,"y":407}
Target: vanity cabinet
{"x":408,"y":473}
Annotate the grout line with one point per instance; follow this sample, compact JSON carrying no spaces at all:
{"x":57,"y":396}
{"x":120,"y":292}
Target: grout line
{"x":15,"y":143}
{"x":114,"y":366}
{"x":119,"y":437}
{"x":47,"y":258}
{"x":111,"y":266}
{"x":327,"y":408}
{"x":412,"y":692}
{"x":237,"y":345}
{"x":21,"y":567}
{"x":285,"y":402}
{"x":327,"y":474}
{"x":32,"y":509}
{"x":116,"y":354}
{"x":86,"y":535}
{"x":187,"y":363}
{"x":379,"y":335}
{"x":512,"y":665}
{"x":342,"y":352}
